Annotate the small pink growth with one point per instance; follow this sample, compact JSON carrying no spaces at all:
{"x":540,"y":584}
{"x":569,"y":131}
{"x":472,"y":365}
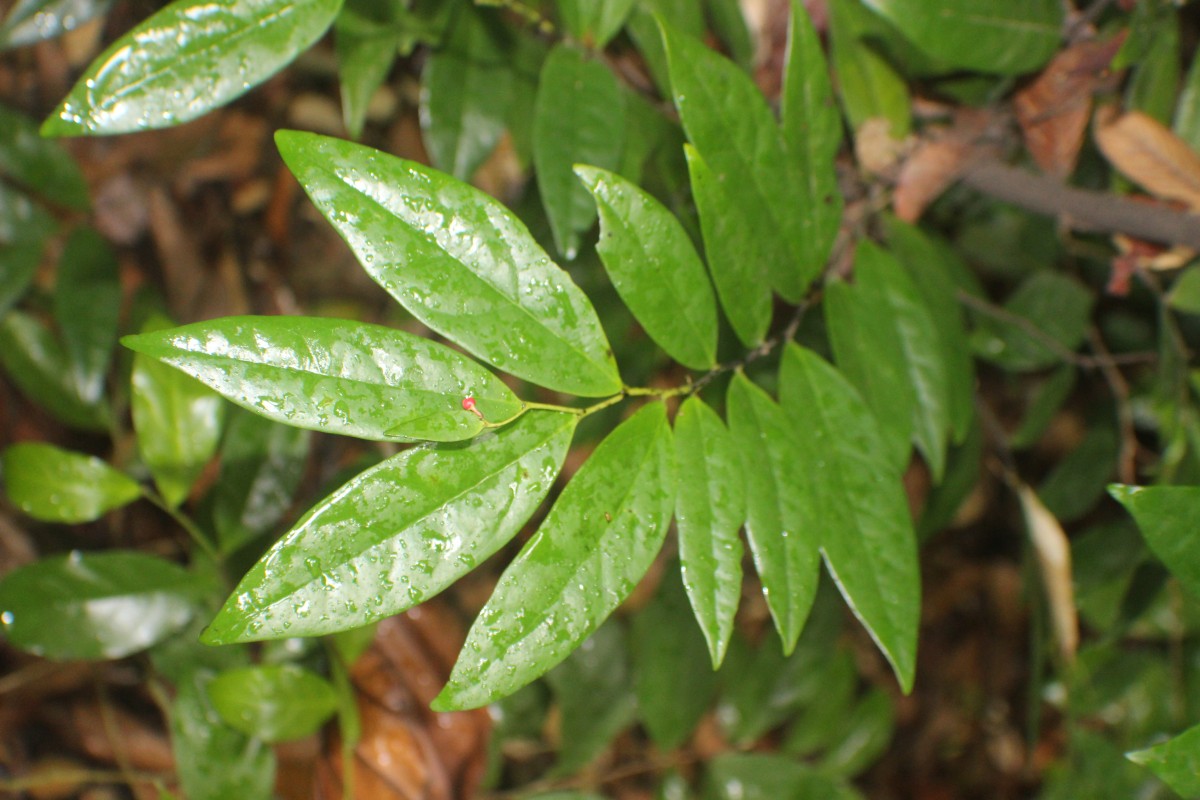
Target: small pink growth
{"x":468,"y":404}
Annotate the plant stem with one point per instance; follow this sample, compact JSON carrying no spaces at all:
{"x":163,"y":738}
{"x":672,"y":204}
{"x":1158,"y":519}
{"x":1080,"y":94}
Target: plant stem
{"x":186,"y":523}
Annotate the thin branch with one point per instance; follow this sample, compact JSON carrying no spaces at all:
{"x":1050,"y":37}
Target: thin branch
{"x":762,"y":350}
{"x":1083,"y":210}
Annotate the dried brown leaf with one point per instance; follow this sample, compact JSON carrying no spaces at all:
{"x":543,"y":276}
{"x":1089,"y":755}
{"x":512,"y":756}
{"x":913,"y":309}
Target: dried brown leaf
{"x":1148,"y":153}
{"x":937,"y":161}
{"x":1054,"y":558}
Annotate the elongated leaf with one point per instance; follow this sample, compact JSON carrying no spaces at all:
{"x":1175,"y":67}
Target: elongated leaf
{"x":737,"y":776}
{"x":466,"y":88}
{"x":1166,"y":515}
{"x":812,"y":132}
{"x":594,"y":22}
{"x":366,"y":49}
{"x":868,"y":85}
{"x":579,"y":118}
{"x":1056,"y":306}
{"x":729,"y":123}
{"x":594,"y":545}
{"x":274,"y":702}
{"x":24,"y":229}
{"x":780,"y":506}
{"x":87,"y":304}
{"x":862,"y":518}
{"x":262,"y":463}
{"x":56,"y":485}
{"x":1186,"y":122}
{"x":30,"y":21}
{"x":336,"y":375}
{"x":35,"y":361}
{"x":736,"y":259}
{"x":999,"y":36}
{"x":435,"y":514}
{"x":458,"y":261}
{"x":729,"y":24}
{"x":214,"y":761}
{"x":177,"y":420}
{"x":709,"y":510}
{"x":39,"y":165}
{"x":1176,"y":761}
{"x":655,"y":268}
{"x":187,"y":59}
{"x":686,"y":16}
{"x":95,"y":606}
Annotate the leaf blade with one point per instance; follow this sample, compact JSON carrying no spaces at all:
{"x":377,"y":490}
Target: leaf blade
{"x":55,"y":485}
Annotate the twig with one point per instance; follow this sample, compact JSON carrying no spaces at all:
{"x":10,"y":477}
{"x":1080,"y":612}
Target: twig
{"x":1084,"y":210}
{"x":1127,"y":452}
{"x":764,"y":349}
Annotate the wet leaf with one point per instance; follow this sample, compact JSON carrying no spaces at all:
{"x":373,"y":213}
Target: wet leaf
{"x":1166,"y":516}
{"x":436,"y":513}
{"x":780,"y":510}
{"x":87,"y":305}
{"x":30,"y":21}
{"x":56,"y":485}
{"x":579,"y":118}
{"x":594,"y":22}
{"x":187,"y":59}
{"x":598,"y":540}
{"x":95,"y":606}
{"x":1175,"y":761}
{"x":709,"y":511}
{"x":336,"y":376}
{"x":458,"y":261}
{"x":24,"y":229}
{"x":35,"y":361}
{"x":275,"y":703}
{"x":860,"y":514}
{"x":654,"y":267}
{"x":38,"y":165}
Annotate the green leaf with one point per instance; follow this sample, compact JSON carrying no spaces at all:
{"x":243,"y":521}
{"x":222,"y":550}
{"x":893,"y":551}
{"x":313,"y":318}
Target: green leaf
{"x":736,"y":776}
{"x":674,"y":686}
{"x":214,"y":761}
{"x":1077,"y":482}
{"x":595,"y":698}
{"x":598,"y":540}
{"x":686,"y":16}
{"x":274,"y":703}
{"x":996,"y":36}
{"x":869,"y":87}
{"x":1185,"y":294}
{"x":336,"y":375}
{"x":30,"y":21}
{"x":1187,"y":111}
{"x":579,"y":118}
{"x":187,"y":59}
{"x":729,"y":123}
{"x":56,"y":485}
{"x":94,"y":606}
{"x":35,"y":361}
{"x":861,"y":517}
{"x":40,"y":166}
{"x":466,"y":89}
{"x":1176,"y":761}
{"x":1166,"y":516}
{"x":177,"y":420}
{"x":780,"y":510}
{"x":1047,"y":307}
{"x":812,"y":132}
{"x":594,"y":22}
{"x":735,"y":258}
{"x":435,"y":512}
{"x":87,"y":305}
{"x":655,"y":268}
{"x":262,"y":463}
{"x":709,"y":510}
{"x":729,"y":24}
{"x":366,"y":49}
{"x":863,"y":737}
{"x":459,"y":261}
{"x":24,"y":229}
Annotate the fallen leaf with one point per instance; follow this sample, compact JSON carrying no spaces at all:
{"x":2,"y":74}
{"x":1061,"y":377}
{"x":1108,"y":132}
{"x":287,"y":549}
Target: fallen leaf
{"x":1054,"y":560}
{"x":938,"y":159}
{"x":1148,"y":153}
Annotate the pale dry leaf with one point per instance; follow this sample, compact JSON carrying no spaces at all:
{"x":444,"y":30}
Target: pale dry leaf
{"x":1054,"y":560}
{"x":1148,"y":153}
{"x":937,"y":161}
{"x":875,"y":148}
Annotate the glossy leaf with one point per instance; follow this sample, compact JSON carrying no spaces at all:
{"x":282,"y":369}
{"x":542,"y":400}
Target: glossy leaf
{"x":1166,"y":516}
{"x":436,"y":513}
{"x":1176,"y":761}
{"x":594,"y":695}
{"x":336,"y":375}
{"x":275,"y":702}
{"x":654,"y":267}
{"x":94,"y":606}
{"x":466,"y":88}
{"x":24,"y":229}
{"x":35,"y":361}
{"x":861,"y":514}
{"x":30,"y":21}
{"x":1056,"y":306}
{"x":55,"y":485}
{"x":736,"y":776}
{"x":780,"y":505}
{"x":674,"y":686}
{"x":868,"y":85}
{"x":262,"y":463}
{"x":458,"y":261}
{"x":598,"y":540}
{"x":735,"y":258}
{"x":998,"y":36}
{"x":177,"y":420}
{"x":40,"y":166}
{"x":214,"y":761}
{"x":594,"y":22}
{"x":729,"y":123}
{"x":709,"y":510}
{"x":87,"y":305}
{"x":187,"y":59}
{"x":579,"y":118}
{"x":812,"y":132}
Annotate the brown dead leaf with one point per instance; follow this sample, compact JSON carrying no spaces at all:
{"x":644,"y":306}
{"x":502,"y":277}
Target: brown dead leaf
{"x":1054,"y":558}
{"x":1148,"y":153}
{"x":115,"y":736}
{"x":1053,"y":110}
{"x":937,"y":161}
